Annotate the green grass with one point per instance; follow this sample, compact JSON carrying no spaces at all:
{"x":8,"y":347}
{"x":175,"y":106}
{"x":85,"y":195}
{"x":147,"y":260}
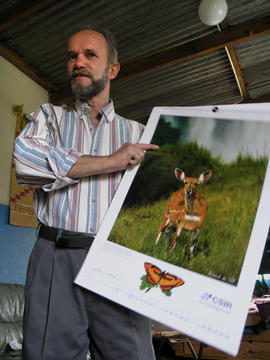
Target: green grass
{"x":223,"y":239}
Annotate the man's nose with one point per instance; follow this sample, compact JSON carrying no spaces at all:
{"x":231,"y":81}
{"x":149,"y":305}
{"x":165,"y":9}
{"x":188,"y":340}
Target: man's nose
{"x":80,"y":61}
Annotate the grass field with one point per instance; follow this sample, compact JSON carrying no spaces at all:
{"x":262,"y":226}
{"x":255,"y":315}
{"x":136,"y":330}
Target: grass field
{"x":223,"y":239}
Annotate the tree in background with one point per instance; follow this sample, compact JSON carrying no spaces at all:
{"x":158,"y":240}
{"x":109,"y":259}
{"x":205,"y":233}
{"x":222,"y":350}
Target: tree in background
{"x":156,"y":180}
{"x":166,"y":134}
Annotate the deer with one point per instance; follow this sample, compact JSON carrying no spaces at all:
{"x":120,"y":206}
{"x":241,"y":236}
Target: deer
{"x":186,"y":209}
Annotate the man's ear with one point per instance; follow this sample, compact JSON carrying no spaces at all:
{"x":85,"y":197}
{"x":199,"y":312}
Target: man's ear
{"x":113,"y":70}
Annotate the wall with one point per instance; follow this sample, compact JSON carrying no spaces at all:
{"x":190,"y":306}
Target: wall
{"x":15,"y":242}
{"x":15,"y":89}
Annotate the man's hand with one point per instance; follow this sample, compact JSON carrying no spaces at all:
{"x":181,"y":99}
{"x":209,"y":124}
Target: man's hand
{"x":130,"y":155}
{"x":127,"y":156}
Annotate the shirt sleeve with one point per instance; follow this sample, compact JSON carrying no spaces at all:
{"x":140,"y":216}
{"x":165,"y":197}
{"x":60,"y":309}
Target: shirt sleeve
{"x":137,"y":131}
{"x":40,"y":158}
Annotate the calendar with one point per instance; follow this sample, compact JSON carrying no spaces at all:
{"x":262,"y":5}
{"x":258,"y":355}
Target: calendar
{"x":183,"y":238}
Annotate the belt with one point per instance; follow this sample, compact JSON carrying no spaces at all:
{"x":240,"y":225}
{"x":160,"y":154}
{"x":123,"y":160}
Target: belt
{"x":66,"y":239}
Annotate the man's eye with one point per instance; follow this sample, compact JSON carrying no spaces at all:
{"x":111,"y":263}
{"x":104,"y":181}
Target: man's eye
{"x":90,"y":54}
{"x":71,"y":56}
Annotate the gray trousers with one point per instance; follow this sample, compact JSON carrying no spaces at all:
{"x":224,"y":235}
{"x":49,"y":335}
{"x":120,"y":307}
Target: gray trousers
{"x":62,"y":320}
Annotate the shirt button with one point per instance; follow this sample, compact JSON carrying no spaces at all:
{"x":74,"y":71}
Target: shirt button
{"x":91,"y":229}
{"x":93,"y":200}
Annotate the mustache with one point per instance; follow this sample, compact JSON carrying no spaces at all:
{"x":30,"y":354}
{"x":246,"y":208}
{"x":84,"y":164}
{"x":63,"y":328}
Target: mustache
{"x":81,"y":73}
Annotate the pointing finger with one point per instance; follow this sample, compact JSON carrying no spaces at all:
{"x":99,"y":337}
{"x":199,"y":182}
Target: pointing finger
{"x":146,"y":147}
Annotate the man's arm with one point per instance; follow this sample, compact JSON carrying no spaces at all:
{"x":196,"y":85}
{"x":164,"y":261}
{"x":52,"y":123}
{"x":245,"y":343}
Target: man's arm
{"x":39,"y":162}
{"x":40,"y":159}
{"x":128,"y":155}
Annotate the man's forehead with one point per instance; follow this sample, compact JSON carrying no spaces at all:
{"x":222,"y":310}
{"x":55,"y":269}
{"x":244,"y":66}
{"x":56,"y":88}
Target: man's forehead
{"x":87,"y":39}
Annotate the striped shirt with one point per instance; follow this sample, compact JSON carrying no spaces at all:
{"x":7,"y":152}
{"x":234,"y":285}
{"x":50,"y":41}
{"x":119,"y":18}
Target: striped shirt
{"x":51,"y":144}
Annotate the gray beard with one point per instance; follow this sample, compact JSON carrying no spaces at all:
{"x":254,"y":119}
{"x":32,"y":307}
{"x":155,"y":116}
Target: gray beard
{"x":88,"y":92}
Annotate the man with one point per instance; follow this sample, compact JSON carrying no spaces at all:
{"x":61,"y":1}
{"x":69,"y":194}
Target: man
{"x":75,"y":157}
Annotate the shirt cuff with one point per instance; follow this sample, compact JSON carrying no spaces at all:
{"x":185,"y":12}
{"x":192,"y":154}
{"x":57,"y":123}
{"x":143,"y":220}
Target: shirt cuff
{"x":61,"y":161}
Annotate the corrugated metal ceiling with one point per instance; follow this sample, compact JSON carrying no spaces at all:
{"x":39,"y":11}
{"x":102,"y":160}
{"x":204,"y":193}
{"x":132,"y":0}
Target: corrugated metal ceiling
{"x":145,"y":28}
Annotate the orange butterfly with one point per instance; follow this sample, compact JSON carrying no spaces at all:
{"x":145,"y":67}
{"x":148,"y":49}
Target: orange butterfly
{"x":157,"y":277}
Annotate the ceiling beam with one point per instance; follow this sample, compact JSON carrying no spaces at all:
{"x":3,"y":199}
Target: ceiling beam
{"x":21,"y":10}
{"x":260,"y":99}
{"x":228,"y":37}
{"x":235,"y":64}
{"x":26,"y":68}
{"x":237,"y":71}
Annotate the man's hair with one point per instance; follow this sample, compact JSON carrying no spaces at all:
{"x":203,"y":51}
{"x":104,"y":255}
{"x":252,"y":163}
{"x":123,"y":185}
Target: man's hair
{"x":112,"y":51}
{"x":111,"y":45}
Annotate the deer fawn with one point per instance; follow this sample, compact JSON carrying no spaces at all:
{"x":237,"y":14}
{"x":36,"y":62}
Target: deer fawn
{"x":186,"y":209}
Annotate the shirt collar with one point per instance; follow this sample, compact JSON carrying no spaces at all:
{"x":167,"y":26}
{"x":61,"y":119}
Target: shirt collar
{"x":107,"y":111}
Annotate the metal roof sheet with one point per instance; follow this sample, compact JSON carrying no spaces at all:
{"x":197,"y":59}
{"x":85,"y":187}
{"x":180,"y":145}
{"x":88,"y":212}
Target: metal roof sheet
{"x":145,"y":28}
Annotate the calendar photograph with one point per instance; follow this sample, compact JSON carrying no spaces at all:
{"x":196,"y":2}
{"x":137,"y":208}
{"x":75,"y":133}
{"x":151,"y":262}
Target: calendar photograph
{"x":193,"y":203}
{"x":184,"y":236}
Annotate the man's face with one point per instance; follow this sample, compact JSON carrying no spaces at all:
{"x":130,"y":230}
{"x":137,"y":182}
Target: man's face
{"x":87,"y":64}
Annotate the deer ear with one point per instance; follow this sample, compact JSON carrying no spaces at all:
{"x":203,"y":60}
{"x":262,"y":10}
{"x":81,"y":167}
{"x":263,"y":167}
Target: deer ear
{"x":204,"y":177}
{"x":179,"y":174}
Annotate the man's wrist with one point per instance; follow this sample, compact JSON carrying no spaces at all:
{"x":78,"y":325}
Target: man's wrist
{"x":89,"y":165}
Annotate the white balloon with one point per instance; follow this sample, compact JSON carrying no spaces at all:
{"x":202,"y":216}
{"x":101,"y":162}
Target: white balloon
{"x":212,"y":12}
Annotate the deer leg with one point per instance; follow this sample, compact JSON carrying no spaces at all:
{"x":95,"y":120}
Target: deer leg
{"x":169,"y":231}
{"x":193,"y":240}
{"x":176,"y":236}
{"x":163,"y":226}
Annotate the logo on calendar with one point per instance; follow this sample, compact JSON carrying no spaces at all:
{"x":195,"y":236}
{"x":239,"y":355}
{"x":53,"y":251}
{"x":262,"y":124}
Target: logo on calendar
{"x":216,"y":302}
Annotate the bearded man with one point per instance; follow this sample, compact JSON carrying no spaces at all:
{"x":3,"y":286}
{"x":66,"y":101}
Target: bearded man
{"x":75,"y":157}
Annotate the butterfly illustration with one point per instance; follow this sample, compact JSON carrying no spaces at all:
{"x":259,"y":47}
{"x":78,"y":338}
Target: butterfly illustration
{"x":155,"y":277}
